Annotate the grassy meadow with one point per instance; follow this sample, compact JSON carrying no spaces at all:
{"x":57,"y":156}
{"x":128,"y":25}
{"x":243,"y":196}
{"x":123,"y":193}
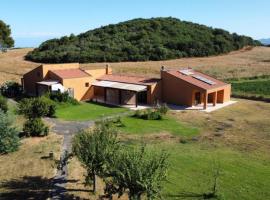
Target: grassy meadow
{"x":239,"y":145}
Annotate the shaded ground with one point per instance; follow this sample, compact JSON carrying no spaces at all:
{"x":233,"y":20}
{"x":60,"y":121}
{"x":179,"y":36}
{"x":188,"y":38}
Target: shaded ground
{"x":27,"y":173}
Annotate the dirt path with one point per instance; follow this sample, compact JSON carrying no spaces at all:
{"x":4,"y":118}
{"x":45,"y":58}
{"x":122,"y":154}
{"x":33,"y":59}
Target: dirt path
{"x":67,"y":129}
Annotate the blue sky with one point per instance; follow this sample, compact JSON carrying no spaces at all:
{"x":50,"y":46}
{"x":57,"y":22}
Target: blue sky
{"x":33,"y":21}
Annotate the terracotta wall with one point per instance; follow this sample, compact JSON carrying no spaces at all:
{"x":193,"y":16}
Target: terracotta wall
{"x":30,"y":79}
{"x":128,"y":97}
{"x":227,"y":93}
{"x":177,"y":91}
{"x":47,"y":67}
{"x":154,"y":93}
{"x":81,"y":92}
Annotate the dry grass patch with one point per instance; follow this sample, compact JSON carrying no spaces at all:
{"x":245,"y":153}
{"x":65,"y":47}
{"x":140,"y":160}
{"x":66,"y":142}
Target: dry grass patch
{"x":244,"y":125}
{"x":242,"y":63}
{"x":27,"y":173}
{"x":13,"y":65}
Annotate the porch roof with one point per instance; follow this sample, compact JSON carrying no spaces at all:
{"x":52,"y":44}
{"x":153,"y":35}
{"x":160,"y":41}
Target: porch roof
{"x":48,"y":82}
{"x":121,"y":86}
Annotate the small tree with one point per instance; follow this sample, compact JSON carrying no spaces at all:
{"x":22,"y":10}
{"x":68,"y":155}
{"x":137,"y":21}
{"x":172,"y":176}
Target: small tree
{"x":35,"y":127}
{"x":139,"y":171}
{"x":94,"y":149}
{"x":36,"y":107}
{"x":9,"y":139}
{"x":3,"y":104}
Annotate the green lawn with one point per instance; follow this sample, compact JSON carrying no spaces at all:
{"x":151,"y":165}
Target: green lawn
{"x":243,"y":175}
{"x":86,"y":111}
{"x":134,"y":125}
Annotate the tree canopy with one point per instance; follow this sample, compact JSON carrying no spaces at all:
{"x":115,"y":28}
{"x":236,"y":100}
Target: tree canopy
{"x":140,"y":40}
{"x":6,"y":41}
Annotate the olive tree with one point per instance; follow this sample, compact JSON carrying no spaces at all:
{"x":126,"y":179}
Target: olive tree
{"x":94,"y":149}
{"x":139,"y":171}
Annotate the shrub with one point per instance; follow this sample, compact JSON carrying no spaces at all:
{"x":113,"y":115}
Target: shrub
{"x":62,"y":97}
{"x":163,"y":109}
{"x":36,"y":107}
{"x":35,"y":127}
{"x":9,"y":136}
{"x":11,"y":89}
{"x":3,"y":104}
{"x":148,"y":114}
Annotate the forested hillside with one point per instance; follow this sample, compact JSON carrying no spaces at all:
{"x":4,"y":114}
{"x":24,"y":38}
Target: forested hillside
{"x":140,"y":40}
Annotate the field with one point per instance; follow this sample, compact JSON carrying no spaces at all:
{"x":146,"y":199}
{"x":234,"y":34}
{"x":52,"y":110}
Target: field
{"x":237,"y":137}
{"x":27,"y":173}
{"x":240,"y":145}
{"x":243,"y":63}
{"x":257,"y":87}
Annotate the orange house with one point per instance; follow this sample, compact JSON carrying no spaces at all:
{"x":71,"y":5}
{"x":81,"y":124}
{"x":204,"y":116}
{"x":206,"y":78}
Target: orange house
{"x":180,"y":87}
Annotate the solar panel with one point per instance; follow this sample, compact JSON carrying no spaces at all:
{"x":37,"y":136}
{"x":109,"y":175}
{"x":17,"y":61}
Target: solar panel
{"x":203,"y":79}
{"x":186,"y":71}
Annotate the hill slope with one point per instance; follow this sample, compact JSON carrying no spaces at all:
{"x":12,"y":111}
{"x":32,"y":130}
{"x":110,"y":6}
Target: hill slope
{"x":140,"y":40}
{"x":265,"y":41}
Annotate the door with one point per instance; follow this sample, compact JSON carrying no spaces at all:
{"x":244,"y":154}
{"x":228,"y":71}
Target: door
{"x":142,"y":97}
{"x":197,"y":98}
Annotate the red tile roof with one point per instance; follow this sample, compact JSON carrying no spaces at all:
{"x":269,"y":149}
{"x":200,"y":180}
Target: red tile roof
{"x":129,"y":79}
{"x":70,"y":73}
{"x":196,"y":82}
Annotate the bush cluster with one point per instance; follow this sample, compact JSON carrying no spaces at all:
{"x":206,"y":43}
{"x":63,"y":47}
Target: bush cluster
{"x":3,"y":104}
{"x":152,"y":114}
{"x":64,"y":97}
{"x":11,"y":89}
{"x":35,"y":127}
{"x":34,"y":109}
{"x":140,"y":40}
{"x":37,"y":107}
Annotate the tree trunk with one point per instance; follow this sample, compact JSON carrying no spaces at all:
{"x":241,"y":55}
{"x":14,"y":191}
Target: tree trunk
{"x":133,"y":196}
{"x":94,"y":181}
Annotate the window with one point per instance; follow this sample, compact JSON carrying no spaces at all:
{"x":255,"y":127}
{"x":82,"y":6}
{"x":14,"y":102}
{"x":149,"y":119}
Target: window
{"x":87,"y":84}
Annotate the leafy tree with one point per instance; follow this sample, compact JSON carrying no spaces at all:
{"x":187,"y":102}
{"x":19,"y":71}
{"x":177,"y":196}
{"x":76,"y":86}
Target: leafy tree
{"x":140,"y":40}
{"x":3,"y":104}
{"x":9,"y":139}
{"x":139,"y":171}
{"x":94,"y":149}
{"x":6,"y":40}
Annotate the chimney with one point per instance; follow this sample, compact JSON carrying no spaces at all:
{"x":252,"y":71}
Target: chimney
{"x":107,"y":68}
{"x":162,"y":68}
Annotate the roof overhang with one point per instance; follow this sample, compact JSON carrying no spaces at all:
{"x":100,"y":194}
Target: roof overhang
{"x":120,"y":86}
{"x":48,"y":82}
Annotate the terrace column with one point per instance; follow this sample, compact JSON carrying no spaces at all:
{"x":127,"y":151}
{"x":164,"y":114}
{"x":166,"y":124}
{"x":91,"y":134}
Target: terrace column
{"x":205,"y":100}
{"x":215,"y":98}
{"x":105,"y":95}
{"x":120,"y":97}
{"x":136,"y":94}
